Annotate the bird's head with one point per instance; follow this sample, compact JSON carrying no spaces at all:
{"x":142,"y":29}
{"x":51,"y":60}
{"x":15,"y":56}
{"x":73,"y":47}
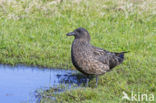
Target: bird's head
{"x":80,"y":33}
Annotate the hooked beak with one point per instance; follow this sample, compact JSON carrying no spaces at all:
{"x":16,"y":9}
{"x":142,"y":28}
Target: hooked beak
{"x":70,"y":34}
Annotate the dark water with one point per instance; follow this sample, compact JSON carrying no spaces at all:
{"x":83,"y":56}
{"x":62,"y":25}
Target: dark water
{"x":19,"y":84}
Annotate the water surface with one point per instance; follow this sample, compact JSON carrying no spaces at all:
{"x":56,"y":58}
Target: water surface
{"x":19,"y":83}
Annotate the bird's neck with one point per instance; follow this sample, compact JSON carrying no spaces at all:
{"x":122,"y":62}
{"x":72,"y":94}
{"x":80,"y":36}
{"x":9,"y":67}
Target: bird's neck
{"x":83,"y":40}
{"x":80,"y":43}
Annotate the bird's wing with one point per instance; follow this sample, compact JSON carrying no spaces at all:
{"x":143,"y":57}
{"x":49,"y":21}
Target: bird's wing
{"x":98,"y":51}
{"x":106,"y":57}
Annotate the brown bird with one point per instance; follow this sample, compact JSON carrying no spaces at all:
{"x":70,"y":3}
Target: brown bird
{"x":91,"y":60}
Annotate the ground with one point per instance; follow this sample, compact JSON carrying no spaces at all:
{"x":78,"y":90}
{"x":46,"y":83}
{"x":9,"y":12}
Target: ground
{"x":32,"y":32}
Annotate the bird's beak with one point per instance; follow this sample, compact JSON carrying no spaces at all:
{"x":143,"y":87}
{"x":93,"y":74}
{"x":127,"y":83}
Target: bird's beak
{"x":71,"y":34}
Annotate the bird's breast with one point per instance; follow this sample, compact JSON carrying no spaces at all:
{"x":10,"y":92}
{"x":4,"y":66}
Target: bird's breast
{"x":80,"y":50}
{"x":80,"y":53}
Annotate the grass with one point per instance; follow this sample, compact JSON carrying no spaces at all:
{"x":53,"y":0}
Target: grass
{"x":32,"y":32}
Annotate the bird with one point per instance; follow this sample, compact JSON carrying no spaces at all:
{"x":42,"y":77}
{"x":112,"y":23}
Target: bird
{"x":91,"y":60}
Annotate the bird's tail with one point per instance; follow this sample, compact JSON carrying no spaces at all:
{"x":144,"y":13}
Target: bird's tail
{"x":121,"y":56}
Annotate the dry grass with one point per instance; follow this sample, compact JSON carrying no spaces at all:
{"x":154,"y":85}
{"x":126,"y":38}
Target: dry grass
{"x":16,"y":9}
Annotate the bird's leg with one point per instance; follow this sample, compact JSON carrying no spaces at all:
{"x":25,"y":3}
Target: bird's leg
{"x":87,"y":81}
{"x":97,"y":80}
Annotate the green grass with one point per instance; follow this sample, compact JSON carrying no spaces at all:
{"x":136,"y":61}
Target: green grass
{"x":32,"y":32}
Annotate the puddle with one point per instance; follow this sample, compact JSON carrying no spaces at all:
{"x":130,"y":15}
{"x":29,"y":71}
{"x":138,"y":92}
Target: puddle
{"x":18,"y":84}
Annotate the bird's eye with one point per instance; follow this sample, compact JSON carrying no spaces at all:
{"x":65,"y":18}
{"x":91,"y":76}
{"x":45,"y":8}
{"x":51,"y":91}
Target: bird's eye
{"x":79,"y":31}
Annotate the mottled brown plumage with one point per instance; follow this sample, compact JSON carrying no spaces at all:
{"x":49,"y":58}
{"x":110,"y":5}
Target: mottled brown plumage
{"x":89,"y":59}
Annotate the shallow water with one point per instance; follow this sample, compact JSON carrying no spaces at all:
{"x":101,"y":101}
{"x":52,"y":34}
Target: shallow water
{"x":18,"y":84}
